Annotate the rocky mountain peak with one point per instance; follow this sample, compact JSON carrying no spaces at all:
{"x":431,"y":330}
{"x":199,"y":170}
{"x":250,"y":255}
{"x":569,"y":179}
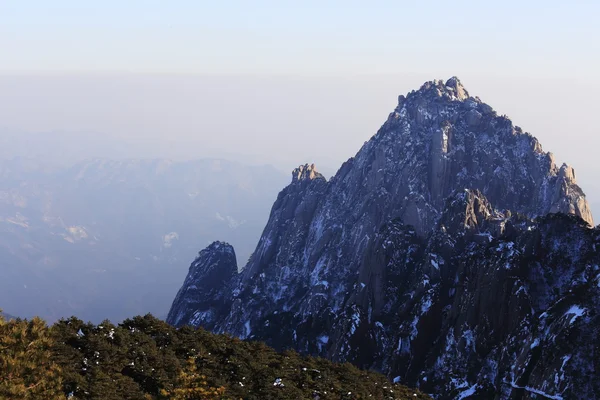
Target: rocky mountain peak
{"x":568,"y":197}
{"x":567,"y":173}
{"x":218,"y":245}
{"x":203,"y":294}
{"x":306,"y":172}
{"x":453,"y":141}
{"x":455,"y":85}
{"x":451,"y":90}
{"x":403,"y":262}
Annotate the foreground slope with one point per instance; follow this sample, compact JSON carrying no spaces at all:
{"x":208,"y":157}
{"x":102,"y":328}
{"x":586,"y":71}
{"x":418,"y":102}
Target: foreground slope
{"x":144,"y":358}
{"x":422,"y":257}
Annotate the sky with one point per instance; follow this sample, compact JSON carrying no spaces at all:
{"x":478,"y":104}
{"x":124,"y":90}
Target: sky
{"x":287,"y":82}
{"x":515,"y":38}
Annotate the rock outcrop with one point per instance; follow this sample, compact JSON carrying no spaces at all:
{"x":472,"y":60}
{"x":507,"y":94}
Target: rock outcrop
{"x":204,"y":297}
{"x":502,"y":307}
{"x":410,"y":259}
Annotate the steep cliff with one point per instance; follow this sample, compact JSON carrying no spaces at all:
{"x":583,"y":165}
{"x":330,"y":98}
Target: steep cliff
{"x":202,"y":298}
{"x":419,"y":256}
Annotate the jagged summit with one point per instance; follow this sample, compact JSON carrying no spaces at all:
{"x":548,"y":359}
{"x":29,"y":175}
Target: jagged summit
{"x":201,"y":298}
{"x":419,"y":257}
{"x":306,"y":172}
{"x":218,"y":245}
{"x":567,"y":172}
{"x":454,"y":83}
{"x":456,"y":86}
{"x":457,"y":141}
{"x":451,"y":89}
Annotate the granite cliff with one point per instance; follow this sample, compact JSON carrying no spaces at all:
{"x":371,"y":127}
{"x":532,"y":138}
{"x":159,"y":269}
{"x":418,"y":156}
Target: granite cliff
{"x":451,"y":253}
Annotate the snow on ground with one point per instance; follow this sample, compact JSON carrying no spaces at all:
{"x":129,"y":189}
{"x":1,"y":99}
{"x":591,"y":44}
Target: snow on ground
{"x":576,"y":311}
{"x":466,"y":393}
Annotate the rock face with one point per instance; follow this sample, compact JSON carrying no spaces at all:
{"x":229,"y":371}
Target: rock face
{"x":488,"y":304}
{"x":422,"y":258}
{"x":202,"y":298}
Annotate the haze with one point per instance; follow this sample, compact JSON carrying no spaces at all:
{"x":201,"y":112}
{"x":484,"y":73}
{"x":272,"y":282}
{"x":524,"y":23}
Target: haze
{"x":264,"y":82}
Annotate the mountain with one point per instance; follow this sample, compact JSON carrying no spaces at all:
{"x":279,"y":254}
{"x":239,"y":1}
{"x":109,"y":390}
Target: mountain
{"x":107,"y":238}
{"x":6,"y":316}
{"x":450,"y":253}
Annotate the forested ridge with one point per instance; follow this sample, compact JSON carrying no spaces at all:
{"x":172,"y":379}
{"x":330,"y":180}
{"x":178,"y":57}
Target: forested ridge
{"x":145,"y":358}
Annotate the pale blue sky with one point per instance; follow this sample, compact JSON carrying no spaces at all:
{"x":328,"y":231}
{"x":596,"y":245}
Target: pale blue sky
{"x":287,"y":82}
{"x":508,"y":38}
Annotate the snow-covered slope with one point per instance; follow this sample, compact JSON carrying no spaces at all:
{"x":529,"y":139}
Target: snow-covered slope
{"x":421,"y":257}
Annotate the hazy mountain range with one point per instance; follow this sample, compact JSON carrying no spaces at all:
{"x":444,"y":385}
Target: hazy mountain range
{"x":107,"y":239}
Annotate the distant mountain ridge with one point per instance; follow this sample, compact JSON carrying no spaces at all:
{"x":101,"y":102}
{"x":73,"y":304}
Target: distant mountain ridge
{"x":105,"y":238}
{"x":7,"y":316}
{"x":434,"y":255}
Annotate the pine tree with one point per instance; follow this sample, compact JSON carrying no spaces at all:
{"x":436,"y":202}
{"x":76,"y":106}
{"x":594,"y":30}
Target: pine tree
{"x":26,"y":369}
{"x":191,"y":385}
{"x":143,"y":358}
